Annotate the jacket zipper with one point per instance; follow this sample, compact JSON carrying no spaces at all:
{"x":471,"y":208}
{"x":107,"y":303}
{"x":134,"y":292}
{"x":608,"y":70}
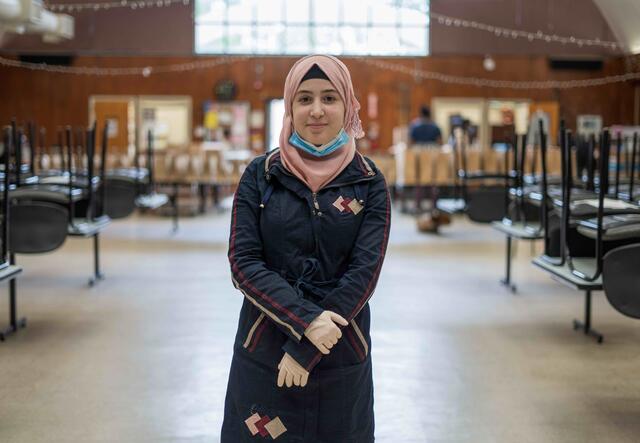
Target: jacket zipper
{"x":337,"y":185}
{"x":367,"y":177}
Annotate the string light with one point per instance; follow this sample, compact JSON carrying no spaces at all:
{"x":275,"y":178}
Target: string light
{"x":517,"y":33}
{"x":147,"y":71}
{"x":500,"y":84}
{"x":144,"y":71}
{"x":97,"y":6}
{"x":439,"y":18}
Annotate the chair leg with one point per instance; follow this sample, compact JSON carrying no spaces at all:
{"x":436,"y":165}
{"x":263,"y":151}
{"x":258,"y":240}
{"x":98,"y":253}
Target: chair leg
{"x":586,"y":325}
{"x":202,"y":193}
{"x":97,"y":275}
{"x":15,"y":323}
{"x":506,"y":281}
{"x":174,"y":203}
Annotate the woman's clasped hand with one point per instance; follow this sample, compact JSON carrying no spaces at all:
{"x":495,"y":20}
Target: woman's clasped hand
{"x":324,"y":333}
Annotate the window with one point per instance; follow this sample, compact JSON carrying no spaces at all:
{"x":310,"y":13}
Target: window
{"x":296,"y":27}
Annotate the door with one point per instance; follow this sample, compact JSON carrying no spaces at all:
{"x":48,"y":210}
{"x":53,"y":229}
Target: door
{"x":116,"y":113}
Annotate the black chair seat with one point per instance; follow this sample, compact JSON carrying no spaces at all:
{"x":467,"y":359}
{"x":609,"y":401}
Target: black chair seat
{"x":621,"y":279}
{"x":487,"y":204}
{"x":37,"y":227}
{"x":120,"y":197}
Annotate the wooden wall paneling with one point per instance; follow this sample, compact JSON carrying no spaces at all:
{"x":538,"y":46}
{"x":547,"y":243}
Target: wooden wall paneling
{"x":59,"y":99}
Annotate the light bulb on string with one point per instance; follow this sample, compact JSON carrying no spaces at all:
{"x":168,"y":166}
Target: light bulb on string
{"x":489,"y":63}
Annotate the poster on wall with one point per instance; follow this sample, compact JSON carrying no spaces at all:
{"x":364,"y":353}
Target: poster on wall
{"x":227,"y":121}
{"x":589,"y":124}
{"x":112,"y":126}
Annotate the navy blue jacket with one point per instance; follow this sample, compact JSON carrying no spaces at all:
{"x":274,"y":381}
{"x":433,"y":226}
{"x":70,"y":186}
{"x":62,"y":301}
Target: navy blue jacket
{"x":294,"y":254}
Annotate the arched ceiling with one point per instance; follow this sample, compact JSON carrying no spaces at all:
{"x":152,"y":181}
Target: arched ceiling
{"x":623,"y":17}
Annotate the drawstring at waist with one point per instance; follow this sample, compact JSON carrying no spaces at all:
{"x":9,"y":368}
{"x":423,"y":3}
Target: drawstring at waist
{"x":305,"y":285}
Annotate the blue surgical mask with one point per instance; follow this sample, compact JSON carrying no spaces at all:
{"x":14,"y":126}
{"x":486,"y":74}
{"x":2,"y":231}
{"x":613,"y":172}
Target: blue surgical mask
{"x":319,"y":151}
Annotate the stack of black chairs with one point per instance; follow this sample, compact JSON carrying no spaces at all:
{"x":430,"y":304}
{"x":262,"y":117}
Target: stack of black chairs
{"x":8,"y":269}
{"x":47,"y":208}
{"x":129,"y":188}
{"x":148,"y":198}
{"x":592,"y":235}
{"x":522,"y":218}
{"x":482,"y":196}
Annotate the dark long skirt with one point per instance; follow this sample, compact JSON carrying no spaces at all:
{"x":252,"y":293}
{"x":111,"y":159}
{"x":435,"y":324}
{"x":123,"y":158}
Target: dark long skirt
{"x":335,"y":406}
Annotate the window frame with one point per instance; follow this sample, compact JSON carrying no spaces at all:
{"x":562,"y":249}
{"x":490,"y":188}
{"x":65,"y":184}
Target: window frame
{"x":313,"y":28}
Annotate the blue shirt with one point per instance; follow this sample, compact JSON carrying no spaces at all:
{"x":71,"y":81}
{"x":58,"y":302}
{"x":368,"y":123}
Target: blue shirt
{"x":424,"y":131}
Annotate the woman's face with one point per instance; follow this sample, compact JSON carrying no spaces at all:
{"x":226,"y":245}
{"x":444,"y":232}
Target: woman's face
{"x":318,"y":111}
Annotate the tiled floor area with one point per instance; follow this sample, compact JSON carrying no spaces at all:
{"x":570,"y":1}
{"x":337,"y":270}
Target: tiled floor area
{"x":143,"y":357}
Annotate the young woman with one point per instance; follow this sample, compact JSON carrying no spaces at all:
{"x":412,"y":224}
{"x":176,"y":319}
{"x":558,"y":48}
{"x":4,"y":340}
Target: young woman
{"x":309,"y":233}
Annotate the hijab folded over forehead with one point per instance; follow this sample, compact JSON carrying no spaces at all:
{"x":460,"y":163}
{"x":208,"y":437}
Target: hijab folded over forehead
{"x":316,"y":172}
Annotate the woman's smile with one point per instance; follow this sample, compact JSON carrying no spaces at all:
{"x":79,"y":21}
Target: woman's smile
{"x":317,"y":128}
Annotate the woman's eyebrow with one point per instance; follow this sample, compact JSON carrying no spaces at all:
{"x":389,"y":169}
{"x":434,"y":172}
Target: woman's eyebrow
{"x":324,"y":91}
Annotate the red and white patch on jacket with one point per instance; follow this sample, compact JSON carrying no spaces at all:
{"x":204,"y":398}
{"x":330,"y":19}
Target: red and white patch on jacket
{"x":265,"y":426}
{"x":351,"y":205}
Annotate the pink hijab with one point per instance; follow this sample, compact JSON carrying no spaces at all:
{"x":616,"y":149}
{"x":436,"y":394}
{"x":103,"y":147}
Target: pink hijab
{"x":316,"y":172}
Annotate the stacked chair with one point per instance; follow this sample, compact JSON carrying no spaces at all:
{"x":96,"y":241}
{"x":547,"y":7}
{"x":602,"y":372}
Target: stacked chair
{"x":481,"y":183}
{"x":127,"y":188}
{"x":592,"y":234}
{"x":8,"y":269}
{"x":147,"y":196}
{"x":523,"y":219}
{"x":48,"y":207}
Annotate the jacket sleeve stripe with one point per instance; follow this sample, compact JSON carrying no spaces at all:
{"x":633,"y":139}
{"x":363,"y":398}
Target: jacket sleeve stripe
{"x":314,"y":362}
{"x":252,"y":330}
{"x":355,"y":345}
{"x":374,"y":278}
{"x":236,"y":270}
{"x":271,"y":315}
{"x":258,"y":335}
{"x":358,"y":332}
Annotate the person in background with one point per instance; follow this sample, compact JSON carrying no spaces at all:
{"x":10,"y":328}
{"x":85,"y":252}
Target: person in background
{"x":423,"y":130}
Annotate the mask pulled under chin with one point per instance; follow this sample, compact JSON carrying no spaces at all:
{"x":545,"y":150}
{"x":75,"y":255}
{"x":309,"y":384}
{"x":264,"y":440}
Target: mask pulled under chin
{"x":319,"y":151}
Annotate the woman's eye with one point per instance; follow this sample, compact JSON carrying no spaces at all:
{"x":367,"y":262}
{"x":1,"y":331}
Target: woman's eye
{"x":304,"y":99}
{"x":329,"y":99}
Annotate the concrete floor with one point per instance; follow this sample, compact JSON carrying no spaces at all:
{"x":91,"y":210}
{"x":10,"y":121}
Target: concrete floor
{"x":143,"y":357}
